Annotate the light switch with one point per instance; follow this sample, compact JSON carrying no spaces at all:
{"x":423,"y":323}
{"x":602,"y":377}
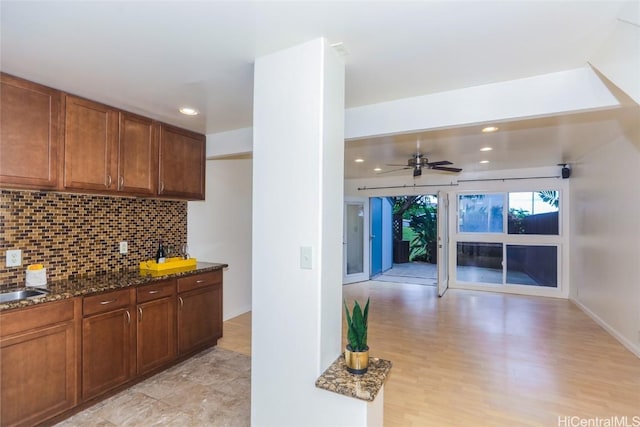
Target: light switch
{"x":306,"y":257}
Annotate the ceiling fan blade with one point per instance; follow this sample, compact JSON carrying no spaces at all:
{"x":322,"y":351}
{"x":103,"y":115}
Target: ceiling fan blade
{"x":393,"y":170}
{"x":392,"y":164}
{"x":440,"y":163}
{"x":444,"y":168}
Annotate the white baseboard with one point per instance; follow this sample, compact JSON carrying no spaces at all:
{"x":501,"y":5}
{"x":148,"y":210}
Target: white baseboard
{"x":633,"y":348}
{"x":235,"y":313}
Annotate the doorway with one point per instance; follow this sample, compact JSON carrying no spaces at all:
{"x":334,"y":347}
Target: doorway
{"x":413,"y":246}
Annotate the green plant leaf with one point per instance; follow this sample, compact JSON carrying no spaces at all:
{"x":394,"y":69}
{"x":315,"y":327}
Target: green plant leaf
{"x":357,"y":326}
{"x":366,"y":324}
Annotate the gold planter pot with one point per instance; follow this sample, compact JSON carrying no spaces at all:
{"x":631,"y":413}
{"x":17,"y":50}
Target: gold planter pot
{"x":357,"y":361}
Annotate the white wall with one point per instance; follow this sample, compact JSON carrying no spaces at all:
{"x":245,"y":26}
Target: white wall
{"x":619,"y":57}
{"x":544,"y":95}
{"x":219,"y":229}
{"x":605,"y":236}
{"x":298,"y":150}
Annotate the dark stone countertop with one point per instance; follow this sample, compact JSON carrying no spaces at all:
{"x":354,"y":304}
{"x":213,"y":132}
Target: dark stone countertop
{"x":86,"y":285}
{"x":364,"y":387}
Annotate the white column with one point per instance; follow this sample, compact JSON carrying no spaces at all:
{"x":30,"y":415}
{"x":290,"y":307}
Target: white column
{"x":298,"y":174}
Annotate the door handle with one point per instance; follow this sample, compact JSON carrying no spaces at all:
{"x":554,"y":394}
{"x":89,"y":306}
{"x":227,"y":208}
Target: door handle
{"x":153,"y":292}
{"x":128,"y":317}
{"x":140,"y":313}
{"x":181,"y":302}
{"x":107,"y":302}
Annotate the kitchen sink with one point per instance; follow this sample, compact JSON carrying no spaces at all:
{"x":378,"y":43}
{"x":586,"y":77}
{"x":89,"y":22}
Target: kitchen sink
{"x":22,"y":294}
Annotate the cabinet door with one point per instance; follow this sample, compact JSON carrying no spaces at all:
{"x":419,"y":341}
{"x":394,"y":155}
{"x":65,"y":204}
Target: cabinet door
{"x":106,"y":351}
{"x":182,"y":163}
{"x":137,"y":156}
{"x":90,"y":148}
{"x":29,"y":134}
{"x":199,"y":318}
{"x":156,"y":333}
{"x":38,"y":362}
{"x":38,"y":374}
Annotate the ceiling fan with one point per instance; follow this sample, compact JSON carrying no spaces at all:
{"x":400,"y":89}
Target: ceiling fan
{"x":418,"y":162}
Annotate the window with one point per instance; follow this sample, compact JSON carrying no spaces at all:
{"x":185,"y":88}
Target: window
{"x":534,"y":212}
{"x":479,"y":262}
{"x":480,"y":213}
{"x":516,"y":238}
{"x":532,"y":265}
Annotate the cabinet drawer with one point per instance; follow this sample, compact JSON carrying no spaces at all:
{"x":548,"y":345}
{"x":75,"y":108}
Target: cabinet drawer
{"x":106,"y":301}
{"x":49,"y":313}
{"x":156,"y":290}
{"x":199,"y":281}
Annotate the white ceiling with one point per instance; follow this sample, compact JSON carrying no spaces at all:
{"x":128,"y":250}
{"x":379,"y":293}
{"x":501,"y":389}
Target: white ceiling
{"x":152,"y":57}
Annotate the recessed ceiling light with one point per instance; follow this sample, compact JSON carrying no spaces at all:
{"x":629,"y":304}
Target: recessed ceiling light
{"x":486,"y":149}
{"x":188,"y":111}
{"x":489,"y":129}
{"x":377,"y":169}
{"x":484,"y":161}
{"x":359,"y":160}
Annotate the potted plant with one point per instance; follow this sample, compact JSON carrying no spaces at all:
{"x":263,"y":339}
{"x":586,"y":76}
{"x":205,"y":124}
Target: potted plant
{"x":356,"y":354}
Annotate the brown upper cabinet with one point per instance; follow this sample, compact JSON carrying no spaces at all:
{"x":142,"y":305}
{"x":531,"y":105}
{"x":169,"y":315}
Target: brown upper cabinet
{"x":90,"y":145}
{"x":109,"y":150}
{"x":30,"y":137}
{"x":137,"y":155}
{"x":182,"y":163}
{"x":52,"y":140}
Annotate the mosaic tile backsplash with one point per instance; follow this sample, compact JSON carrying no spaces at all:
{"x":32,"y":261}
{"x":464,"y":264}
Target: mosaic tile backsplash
{"x":79,"y":234}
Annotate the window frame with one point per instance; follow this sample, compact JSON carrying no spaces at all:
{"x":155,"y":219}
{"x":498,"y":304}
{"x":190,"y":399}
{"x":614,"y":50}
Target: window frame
{"x":505,"y":238}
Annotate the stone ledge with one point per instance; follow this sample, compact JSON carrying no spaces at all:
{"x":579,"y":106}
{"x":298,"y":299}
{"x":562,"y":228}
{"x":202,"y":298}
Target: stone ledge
{"x":364,"y":387}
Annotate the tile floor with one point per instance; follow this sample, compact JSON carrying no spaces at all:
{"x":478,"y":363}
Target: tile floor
{"x":212,"y":388}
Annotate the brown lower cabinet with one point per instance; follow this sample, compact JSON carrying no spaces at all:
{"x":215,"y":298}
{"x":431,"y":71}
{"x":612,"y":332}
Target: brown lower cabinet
{"x":199,"y":311}
{"x":38,"y":362}
{"x":108,"y":342}
{"x":56,"y":355}
{"x":156,"y":325}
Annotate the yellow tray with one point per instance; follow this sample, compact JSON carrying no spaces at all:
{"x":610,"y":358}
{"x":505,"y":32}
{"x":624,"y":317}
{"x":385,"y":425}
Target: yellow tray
{"x":169,"y":264}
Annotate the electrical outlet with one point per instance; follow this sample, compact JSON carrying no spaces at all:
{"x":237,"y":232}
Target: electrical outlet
{"x":124,"y":248}
{"x":14,"y":258}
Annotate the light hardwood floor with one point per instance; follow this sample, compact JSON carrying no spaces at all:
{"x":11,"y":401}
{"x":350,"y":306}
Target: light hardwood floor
{"x":486,"y":359}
